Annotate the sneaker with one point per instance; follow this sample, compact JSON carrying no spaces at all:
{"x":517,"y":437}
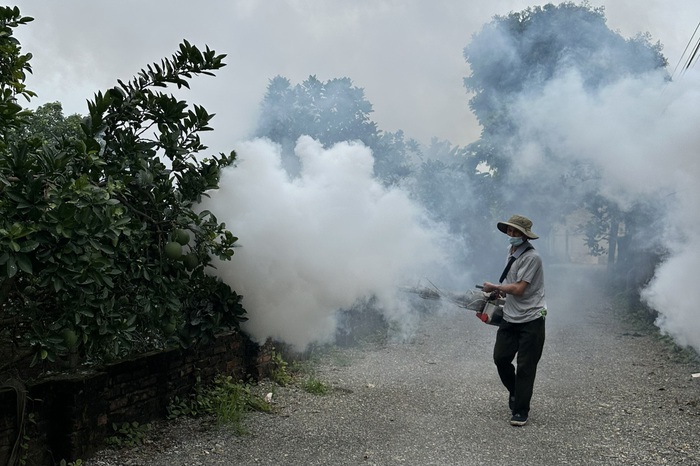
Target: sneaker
{"x":518,"y":420}
{"x":511,"y":402}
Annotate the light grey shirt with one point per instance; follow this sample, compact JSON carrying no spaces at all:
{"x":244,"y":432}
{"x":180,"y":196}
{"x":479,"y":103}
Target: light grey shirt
{"x":531,"y":304}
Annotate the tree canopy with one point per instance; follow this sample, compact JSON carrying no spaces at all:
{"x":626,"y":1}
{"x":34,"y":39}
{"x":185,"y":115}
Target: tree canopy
{"x":524,"y":50}
{"x":330,"y":112}
{"x":103,"y":251}
{"x":516,"y":56}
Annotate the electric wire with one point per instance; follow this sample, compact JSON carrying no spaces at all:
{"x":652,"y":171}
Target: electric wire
{"x":688,"y":63}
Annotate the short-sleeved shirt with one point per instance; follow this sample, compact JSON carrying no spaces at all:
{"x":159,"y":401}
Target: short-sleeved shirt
{"x":530,"y":305}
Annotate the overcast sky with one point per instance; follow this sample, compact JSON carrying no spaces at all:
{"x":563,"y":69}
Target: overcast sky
{"x":406,"y":55}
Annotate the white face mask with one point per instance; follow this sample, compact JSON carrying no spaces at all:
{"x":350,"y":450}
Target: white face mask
{"x":516,"y":240}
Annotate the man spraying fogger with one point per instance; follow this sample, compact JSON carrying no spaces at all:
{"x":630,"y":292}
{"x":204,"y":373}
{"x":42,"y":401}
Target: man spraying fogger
{"x":522,"y":330}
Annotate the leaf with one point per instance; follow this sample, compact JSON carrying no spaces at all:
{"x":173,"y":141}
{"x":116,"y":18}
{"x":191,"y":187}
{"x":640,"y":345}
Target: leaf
{"x":29,"y":246}
{"x":57,"y":283}
{"x":11,"y":268}
{"x":24,"y":263}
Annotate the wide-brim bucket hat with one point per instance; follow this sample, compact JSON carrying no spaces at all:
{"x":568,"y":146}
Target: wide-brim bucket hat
{"x":520,"y":223}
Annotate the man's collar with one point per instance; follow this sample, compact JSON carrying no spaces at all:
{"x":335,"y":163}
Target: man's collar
{"x":521,"y":249}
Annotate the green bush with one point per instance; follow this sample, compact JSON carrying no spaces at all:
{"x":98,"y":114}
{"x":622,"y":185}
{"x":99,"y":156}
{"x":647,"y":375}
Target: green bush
{"x":85,"y":218}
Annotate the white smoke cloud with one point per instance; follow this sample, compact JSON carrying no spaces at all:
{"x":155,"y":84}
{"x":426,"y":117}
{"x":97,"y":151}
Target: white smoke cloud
{"x":642,"y":132}
{"x":673,"y":291}
{"x":320,"y":242}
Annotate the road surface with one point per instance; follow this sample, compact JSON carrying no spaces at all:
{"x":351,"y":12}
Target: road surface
{"x":608,"y":392}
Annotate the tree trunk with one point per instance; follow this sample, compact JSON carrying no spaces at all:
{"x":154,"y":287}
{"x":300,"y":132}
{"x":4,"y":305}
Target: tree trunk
{"x":612,"y":242}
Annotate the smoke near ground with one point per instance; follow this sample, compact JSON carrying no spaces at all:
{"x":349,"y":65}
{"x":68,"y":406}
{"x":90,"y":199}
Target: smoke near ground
{"x":642,"y":135}
{"x":321,"y":242}
{"x":334,"y":237}
{"x":596,"y":115}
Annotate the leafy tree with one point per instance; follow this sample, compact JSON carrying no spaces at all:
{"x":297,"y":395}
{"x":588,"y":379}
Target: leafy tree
{"x":622,"y":234}
{"x":520,"y":53}
{"x":394,"y":157}
{"x":454,"y":189}
{"x":330,"y":112}
{"x":14,"y":67}
{"x":524,"y":50}
{"x":103,"y":252}
{"x":49,"y":124}
{"x":442,"y":183}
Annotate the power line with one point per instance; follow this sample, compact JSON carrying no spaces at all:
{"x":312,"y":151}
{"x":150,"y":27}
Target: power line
{"x":693,"y":55}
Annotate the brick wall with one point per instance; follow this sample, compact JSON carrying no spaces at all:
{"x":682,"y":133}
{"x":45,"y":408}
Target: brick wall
{"x":72,"y":414}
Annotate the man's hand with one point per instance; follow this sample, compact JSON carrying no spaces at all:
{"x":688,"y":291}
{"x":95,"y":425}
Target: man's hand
{"x":488,"y":287}
{"x":495,"y":290}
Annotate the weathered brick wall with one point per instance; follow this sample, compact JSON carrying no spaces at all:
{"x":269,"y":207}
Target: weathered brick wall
{"x":73,"y":413}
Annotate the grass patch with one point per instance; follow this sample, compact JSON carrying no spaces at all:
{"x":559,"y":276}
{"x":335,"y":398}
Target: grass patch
{"x":230,"y":401}
{"x":227,"y":400}
{"x":340,"y":359}
{"x":643,"y":319}
{"x":680,"y":354}
{"x":301,"y":373}
{"x":315,"y":386}
{"x":128,"y":434}
{"x":280,"y":372}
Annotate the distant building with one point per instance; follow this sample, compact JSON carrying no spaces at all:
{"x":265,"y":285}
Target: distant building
{"x":567,"y":243}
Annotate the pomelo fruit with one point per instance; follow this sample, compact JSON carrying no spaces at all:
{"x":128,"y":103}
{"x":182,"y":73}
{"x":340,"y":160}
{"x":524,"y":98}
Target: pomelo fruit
{"x":173,"y":250}
{"x":70,"y":338}
{"x":181,"y":236}
{"x":191,"y":261}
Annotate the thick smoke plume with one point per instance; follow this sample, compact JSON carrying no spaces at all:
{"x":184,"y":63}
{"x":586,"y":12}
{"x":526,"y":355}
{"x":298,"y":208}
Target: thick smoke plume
{"x":320,"y":242}
{"x":598,"y":103}
{"x":334,"y":236}
{"x":642,"y":135}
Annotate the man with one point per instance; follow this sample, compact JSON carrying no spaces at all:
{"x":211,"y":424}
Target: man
{"x":522,"y":330}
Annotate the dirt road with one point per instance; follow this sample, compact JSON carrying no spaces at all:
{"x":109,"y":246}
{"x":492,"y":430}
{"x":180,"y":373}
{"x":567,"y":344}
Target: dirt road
{"x":606,"y":394}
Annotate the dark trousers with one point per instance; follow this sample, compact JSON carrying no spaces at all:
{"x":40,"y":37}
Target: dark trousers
{"x":526,"y":340}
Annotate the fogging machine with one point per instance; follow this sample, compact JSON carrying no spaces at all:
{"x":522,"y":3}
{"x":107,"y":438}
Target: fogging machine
{"x":476,"y":300}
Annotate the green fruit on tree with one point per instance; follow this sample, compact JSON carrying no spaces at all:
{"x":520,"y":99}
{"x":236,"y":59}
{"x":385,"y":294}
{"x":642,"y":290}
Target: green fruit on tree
{"x":173,"y":250}
{"x":70,"y":338}
{"x":169,"y":328}
{"x":191,"y":261}
{"x":182,"y":236}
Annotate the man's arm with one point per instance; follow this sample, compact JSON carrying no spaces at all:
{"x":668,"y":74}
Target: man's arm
{"x":516,"y":289}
